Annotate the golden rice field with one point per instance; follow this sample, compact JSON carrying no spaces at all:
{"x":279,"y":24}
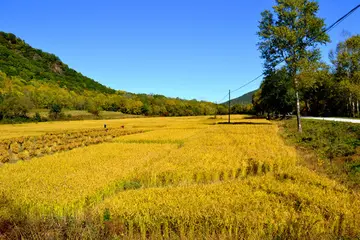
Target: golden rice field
{"x":165,"y":178}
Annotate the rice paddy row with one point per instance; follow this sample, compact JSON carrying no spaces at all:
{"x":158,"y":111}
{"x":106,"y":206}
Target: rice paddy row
{"x":25,"y":148}
{"x":187,"y":178}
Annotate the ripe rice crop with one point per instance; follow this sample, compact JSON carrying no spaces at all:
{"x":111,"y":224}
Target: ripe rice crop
{"x":65,"y":182}
{"x":35,"y":129}
{"x":257,"y":208}
{"x":176,"y":178}
{"x":23,"y":148}
{"x":215,"y":154}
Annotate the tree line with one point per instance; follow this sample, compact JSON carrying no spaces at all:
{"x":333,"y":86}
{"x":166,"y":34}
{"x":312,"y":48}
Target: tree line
{"x":325,"y":90}
{"x":295,"y":78}
{"x":18,"y":97}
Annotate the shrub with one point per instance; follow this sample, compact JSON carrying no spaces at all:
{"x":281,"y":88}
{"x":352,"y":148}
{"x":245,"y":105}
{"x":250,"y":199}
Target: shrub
{"x":55,"y":111}
{"x":37,"y":117}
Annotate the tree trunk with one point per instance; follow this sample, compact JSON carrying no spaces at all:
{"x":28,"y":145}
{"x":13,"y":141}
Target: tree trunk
{"x":298,"y":117}
{"x":307,"y":108}
{"x":353,"y":109}
{"x":351,"y":103}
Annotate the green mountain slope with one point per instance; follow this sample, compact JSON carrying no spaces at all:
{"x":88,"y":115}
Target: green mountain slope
{"x":244,"y":99}
{"x":31,"y":79}
{"x":17,"y":58}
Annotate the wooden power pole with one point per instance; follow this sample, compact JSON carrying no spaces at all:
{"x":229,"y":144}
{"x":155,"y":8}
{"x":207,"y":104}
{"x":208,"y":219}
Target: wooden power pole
{"x":229,"y":108}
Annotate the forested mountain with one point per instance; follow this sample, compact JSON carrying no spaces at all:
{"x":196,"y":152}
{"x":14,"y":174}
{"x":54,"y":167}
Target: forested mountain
{"x":17,"y":58}
{"x":32,"y":79}
{"x":244,"y":99}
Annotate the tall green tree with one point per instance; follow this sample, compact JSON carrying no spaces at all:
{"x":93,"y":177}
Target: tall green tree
{"x":346,"y":62}
{"x":277,"y":93}
{"x":257,"y":102}
{"x":318,"y":90}
{"x":291,"y":33}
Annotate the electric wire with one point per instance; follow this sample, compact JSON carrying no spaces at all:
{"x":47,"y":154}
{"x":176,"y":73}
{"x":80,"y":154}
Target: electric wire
{"x":328,"y":29}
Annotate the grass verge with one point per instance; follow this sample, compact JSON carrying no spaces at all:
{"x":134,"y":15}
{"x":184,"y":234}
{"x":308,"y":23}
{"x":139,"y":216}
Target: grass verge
{"x":329,"y":147}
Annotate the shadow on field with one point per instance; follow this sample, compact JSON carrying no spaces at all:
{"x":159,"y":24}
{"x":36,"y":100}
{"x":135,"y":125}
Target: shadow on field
{"x":272,"y":118}
{"x":254,"y":117}
{"x":243,"y":123}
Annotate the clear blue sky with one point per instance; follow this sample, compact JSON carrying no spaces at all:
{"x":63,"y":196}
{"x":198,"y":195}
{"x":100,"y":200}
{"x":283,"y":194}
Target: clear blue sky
{"x":179,"y":48}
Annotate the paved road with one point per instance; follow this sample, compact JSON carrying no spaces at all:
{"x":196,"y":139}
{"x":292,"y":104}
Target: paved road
{"x":334,"y":119}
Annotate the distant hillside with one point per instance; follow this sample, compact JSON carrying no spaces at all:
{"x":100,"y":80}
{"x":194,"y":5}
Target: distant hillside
{"x":31,"y":79}
{"x":244,"y":99}
{"x":17,"y":58}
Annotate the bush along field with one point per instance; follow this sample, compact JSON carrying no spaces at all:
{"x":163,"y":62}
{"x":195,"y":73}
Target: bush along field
{"x":336,"y":146}
{"x":176,"y":178}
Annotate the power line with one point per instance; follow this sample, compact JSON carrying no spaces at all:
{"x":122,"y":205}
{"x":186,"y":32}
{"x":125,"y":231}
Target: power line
{"x":248,"y":83}
{"x":341,"y":19}
{"x":328,"y":29}
{"x":241,"y":87}
{"x":223,"y":98}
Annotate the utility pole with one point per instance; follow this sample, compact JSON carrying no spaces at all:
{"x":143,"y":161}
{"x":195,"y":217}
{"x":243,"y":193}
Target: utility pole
{"x":229,"y":108}
{"x":217,"y":110}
